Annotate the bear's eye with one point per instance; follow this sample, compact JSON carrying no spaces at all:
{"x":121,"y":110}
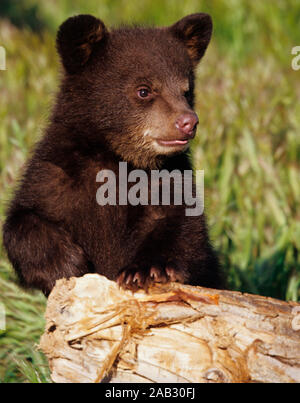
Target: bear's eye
{"x":144,"y":93}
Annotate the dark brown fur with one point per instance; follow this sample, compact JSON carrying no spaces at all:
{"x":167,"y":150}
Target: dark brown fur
{"x":54,"y":226}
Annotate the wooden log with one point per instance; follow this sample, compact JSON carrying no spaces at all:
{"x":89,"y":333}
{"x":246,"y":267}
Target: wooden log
{"x":97,"y":332}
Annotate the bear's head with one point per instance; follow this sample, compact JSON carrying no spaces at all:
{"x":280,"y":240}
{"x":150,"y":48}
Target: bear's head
{"x":131,"y":90}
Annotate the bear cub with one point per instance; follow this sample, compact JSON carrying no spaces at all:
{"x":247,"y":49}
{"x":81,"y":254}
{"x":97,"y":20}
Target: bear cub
{"x":126,"y":95}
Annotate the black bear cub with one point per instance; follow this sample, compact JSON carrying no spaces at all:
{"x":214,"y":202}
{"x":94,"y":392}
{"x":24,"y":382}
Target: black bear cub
{"x":126,"y":95}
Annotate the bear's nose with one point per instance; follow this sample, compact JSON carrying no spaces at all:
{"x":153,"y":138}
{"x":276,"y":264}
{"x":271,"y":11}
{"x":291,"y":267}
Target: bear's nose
{"x":186,"y":123}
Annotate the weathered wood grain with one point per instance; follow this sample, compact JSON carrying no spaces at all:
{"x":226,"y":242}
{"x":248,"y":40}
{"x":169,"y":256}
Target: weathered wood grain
{"x":177,"y":333}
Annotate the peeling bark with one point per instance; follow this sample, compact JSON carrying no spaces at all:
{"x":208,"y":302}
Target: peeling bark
{"x":97,"y":332}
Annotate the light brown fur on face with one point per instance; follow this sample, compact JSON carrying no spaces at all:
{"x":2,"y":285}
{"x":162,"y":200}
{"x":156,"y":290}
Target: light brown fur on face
{"x":161,"y":120}
{"x":158,"y":123}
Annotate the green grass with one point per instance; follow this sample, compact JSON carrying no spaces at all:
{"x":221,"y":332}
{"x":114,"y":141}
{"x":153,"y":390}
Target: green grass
{"x":248,"y":141}
{"x":19,"y":358}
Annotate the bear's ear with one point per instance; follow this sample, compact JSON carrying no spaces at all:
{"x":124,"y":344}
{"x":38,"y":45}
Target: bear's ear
{"x":76,"y":39}
{"x":195,"y":31}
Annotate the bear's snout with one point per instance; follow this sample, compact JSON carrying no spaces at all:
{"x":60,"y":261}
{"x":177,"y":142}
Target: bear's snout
{"x":186,"y":124}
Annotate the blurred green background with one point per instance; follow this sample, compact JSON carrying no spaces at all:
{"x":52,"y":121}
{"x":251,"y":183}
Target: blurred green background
{"x":248,"y":140}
